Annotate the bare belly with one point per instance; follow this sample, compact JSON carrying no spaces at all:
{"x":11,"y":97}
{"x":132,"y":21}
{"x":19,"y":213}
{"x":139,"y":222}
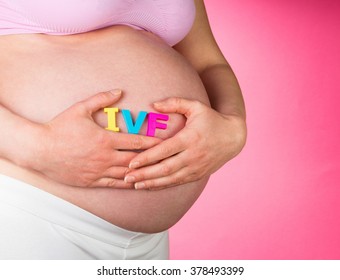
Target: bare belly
{"x":41,"y":76}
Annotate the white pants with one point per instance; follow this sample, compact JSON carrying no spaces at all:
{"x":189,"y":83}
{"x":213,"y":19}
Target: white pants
{"x":35,"y":224}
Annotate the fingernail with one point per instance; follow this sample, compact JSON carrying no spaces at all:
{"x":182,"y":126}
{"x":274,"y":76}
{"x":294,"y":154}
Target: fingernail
{"x":129,"y":179}
{"x":157,"y":104}
{"x":134,"y":165}
{"x":139,"y":186}
{"x":115,"y":92}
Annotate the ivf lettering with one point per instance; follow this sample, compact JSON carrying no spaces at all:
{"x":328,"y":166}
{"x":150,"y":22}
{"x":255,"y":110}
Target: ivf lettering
{"x":133,"y":127}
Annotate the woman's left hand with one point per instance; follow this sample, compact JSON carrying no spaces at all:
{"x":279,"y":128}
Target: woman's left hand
{"x":208,"y":140}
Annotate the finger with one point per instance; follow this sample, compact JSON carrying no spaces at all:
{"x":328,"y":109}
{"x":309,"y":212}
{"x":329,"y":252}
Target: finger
{"x":100,"y":100}
{"x":167,"y":148}
{"x":117,"y":172}
{"x":178,"y":178}
{"x":111,"y":183}
{"x":124,"y":141}
{"x":122,"y":158}
{"x":161,"y":169}
{"x":178,"y":105}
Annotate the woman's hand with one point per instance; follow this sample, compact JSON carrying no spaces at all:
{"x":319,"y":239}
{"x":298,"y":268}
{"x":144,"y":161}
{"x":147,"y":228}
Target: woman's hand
{"x":78,"y":152}
{"x":208,"y":140}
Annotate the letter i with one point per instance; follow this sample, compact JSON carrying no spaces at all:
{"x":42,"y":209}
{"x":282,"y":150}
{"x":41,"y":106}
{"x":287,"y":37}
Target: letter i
{"x":111,"y":119}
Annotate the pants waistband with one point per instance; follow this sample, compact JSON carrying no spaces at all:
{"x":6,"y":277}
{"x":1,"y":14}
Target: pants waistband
{"x":58,"y":211}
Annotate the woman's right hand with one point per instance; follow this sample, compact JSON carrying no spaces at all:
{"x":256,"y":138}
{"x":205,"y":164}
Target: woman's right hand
{"x":74,"y":150}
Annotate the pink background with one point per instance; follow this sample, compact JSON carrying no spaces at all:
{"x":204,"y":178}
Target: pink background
{"x":280,"y":198}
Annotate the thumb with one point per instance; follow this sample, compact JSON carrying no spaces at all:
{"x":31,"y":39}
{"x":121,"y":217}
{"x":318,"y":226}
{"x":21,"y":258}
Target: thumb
{"x":177,"y":105}
{"x":101,"y":100}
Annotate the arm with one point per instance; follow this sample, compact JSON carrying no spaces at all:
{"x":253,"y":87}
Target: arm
{"x":202,"y":51}
{"x":193,"y":153}
{"x":18,"y":138}
{"x":71,"y":148}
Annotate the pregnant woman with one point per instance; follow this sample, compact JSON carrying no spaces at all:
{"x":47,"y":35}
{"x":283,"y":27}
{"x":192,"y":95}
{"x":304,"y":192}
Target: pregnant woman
{"x":69,"y":188}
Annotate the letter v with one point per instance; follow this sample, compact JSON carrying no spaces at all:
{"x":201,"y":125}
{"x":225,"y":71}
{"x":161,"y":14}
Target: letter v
{"x":133,"y":128}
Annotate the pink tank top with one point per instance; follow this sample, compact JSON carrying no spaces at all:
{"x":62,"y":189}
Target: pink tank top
{"x":169,"y":19}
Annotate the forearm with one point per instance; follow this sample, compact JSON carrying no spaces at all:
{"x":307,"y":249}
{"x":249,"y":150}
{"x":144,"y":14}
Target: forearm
{"x":226,"y":98}
{"x":18,"y":137}
{"x":223,"y":90}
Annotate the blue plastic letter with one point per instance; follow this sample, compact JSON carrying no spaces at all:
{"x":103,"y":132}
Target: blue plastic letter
{"x":133,"y":128}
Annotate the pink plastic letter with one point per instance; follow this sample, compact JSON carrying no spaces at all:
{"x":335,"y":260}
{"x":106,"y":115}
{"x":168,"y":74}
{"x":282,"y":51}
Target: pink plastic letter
{"x":153,"y":124}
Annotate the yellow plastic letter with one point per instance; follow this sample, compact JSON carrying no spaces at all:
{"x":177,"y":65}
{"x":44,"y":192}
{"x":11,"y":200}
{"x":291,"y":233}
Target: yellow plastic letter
{"x":111,"y":119}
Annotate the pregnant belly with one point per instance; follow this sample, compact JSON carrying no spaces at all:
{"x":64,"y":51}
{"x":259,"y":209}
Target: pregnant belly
{"x":42,"y":75}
